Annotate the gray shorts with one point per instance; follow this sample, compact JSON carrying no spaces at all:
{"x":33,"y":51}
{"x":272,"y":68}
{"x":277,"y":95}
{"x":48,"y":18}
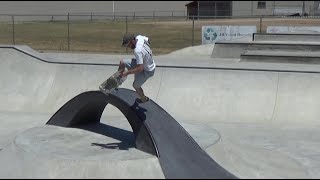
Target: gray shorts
{"x":139,"y":78}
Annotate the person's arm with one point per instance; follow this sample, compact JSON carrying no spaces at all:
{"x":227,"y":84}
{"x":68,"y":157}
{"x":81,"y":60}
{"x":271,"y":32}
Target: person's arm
{"x":139,"y":66}
{"x":135,"y":70}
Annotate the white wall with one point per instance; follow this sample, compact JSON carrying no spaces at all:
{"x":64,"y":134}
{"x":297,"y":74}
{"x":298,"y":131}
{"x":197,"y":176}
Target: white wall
{"x":247,"y":8}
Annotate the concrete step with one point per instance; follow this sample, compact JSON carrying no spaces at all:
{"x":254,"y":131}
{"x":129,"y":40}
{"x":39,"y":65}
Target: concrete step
{"x":229,"y":49}
{"x":280,"y":57}
{"x":285,"y":37}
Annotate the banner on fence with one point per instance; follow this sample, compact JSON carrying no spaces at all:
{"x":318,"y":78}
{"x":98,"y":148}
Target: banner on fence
{"x":281,"y":11}
{"x":294,"y":29}
{"x":212,"y":34}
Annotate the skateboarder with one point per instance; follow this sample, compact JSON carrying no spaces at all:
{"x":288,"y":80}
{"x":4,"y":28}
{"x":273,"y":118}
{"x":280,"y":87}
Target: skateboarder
{"x":142,"y":66}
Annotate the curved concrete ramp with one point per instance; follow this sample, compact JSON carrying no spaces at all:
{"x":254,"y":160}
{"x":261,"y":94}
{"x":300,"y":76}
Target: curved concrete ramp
{"x":179,"y":155}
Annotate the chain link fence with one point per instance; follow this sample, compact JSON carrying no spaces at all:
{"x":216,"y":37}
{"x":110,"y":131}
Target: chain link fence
{"x":103,"y":32}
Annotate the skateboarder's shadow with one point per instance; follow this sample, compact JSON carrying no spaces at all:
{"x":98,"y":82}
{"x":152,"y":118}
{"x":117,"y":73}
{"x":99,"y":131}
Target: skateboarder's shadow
{"x":120,"y":146}
{"x":126,"y":138}
{"x":140,"y":111}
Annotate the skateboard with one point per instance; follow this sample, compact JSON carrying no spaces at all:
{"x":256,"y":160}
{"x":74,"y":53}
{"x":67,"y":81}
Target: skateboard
{"x":112,"y":83}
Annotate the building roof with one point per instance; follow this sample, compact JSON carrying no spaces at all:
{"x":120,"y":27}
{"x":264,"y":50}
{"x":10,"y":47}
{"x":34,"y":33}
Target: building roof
{"x":191,"y":3}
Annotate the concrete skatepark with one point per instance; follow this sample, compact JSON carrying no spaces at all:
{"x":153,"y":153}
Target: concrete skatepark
{"x":254,"y":117}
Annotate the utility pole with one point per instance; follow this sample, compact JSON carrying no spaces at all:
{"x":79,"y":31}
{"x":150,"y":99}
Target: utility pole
{"x":303,"y":8}
{"x":113,"y":10}
{"x":273,"y":7}
{"x":251,"y":8}
{"x":198,"y":9}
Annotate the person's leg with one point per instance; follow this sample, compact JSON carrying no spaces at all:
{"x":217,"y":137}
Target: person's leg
{"x":140,"y":79}
{"x":140,"y":92}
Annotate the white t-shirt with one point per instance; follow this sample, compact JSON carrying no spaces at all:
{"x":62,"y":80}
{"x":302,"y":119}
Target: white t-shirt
{"x":143,"y":53}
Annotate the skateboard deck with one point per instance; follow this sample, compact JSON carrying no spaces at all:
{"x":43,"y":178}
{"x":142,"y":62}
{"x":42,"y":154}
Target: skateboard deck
{"x":112,"y":83}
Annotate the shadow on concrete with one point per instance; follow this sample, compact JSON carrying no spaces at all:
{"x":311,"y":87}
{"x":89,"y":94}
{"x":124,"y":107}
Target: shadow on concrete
{"x":139,"y":110}
{"x":120,"y":146}
{"x":126,"y":137}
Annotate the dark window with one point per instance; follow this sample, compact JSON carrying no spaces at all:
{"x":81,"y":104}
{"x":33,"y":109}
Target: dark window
{"x":261,"y":4}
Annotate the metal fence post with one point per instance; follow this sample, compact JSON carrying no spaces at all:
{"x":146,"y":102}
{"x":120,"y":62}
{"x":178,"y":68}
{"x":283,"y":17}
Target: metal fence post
{"x":126,"y":32}
{"x":91,"y":17}
{"x":251,"y":8}
{"x":134,"y":15}
{"x":13,"y":32}
{"x":192,"y":30}
{"x":186,"y":15}
{"x":153,"y":14}
{"x":273,"y":7}
{"x":68,"y":32}
{"x":260,"y":24}
{"x":126,"y":24}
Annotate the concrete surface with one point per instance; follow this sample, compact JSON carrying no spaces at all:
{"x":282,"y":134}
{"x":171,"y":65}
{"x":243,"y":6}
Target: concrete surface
{"x":230,"y":49}
{"x":286,"y":37}
{"x":301,"y":57}
{"x":257,"y":120}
